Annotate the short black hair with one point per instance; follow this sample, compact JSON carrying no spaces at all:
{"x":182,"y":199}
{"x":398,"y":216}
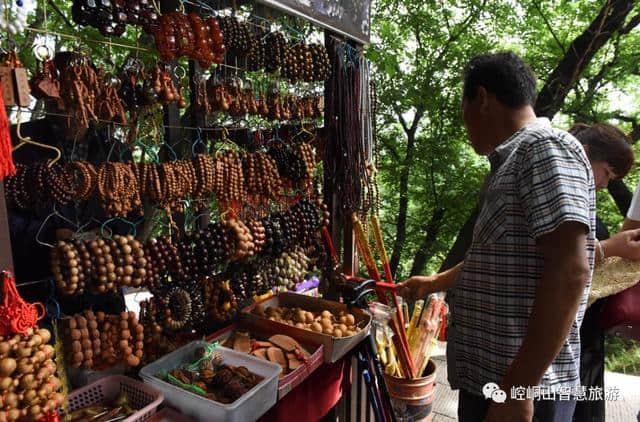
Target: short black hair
{"x":503,"y":74}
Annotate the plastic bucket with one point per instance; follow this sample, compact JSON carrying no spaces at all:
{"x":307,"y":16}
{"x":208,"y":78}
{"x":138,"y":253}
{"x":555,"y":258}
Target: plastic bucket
{"x":412,"y":399}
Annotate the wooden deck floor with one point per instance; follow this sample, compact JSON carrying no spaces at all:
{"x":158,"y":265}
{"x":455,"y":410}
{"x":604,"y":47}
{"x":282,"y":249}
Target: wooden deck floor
{"x":625,"y":409}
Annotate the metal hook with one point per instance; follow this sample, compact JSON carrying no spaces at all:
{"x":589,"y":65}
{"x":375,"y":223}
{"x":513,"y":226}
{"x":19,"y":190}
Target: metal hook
{"x":40,"y":230}
{"x":198,"y":141}
{"x":175,"y":73}
{"x":54,"y":212}
{"x":171,"y":150}
{"x":124,"y":220}
{"x":52,"y":301}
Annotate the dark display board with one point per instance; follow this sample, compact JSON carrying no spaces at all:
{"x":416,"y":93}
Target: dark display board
{"x":347,"y":17}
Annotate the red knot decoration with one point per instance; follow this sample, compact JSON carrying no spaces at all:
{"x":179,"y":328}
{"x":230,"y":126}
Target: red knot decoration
{"x":50,"y":417}
{"x":16,"y":315}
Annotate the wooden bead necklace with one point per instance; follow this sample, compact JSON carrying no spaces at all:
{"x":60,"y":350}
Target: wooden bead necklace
{"x":261,"y":175}
{"x":243,"y":239}
{"x":117,"y":188}
{"x":189,"y":35}
{"x":162,"y":260}
{"x":65,"y":267}
{"x":219,"y":299}
{"x":205,"y":250}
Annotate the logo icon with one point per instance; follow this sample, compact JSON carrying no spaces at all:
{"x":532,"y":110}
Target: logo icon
{"x":492,"y":391}
{"x":499,"y":396}
{"x":489,"y":388}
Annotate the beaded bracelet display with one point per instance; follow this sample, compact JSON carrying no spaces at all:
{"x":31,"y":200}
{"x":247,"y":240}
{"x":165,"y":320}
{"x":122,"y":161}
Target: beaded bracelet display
{"x":100,"y":341}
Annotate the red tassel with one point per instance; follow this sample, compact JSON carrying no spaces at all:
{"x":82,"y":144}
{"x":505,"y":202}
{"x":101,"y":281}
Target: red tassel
{"x":443,"y":324}
{"x":16,"y":315}
{"x":6,"y":160}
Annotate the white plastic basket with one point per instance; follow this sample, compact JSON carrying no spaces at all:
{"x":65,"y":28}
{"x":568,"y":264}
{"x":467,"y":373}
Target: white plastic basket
{"x":247,"y":408}
{"x":142,"y":397}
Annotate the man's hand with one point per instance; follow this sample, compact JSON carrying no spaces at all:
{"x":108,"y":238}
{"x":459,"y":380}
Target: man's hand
{"x":625,"y":244}
{"x":510,"y":411}
{"x":418,"y":286}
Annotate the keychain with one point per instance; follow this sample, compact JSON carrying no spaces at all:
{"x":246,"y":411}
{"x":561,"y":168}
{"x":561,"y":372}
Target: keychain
{"x":45,"y":83}
{"x":13,"y":77}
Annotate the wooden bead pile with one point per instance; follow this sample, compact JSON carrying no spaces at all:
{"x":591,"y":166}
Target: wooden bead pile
{"x":156,"y":342}
{"x":111,"y":17}
{"x":238,"y":36}
{"x":117,"y":187}
{"x":261,"y":174}
{"x":229,"y":177}
{"x":257,"y":54}
{"x":162,"y":260}
{"x":69,"y":267}
{"x":205,"y":250}
{"x":336,"y":324}
{"x":276,"y":46}
{"x":249,"y":280}
{"x":256,"y":228}
{"x":39,"y":186}
{"x":243,"y":239}
{"x":189,"y":35}
{"x":108,"y":263}
{"x":308,"y":156}
{"x":29,"y":387}
{"x":180,"y":306}
{"x":219,"y":299}
{"x":289,"y":164}
{"x":100,"y":341}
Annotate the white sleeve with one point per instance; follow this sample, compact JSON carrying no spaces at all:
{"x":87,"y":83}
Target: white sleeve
{"x":634,"y":209}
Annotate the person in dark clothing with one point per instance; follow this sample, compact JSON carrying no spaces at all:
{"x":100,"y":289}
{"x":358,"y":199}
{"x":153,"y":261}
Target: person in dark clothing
{"x":32,"y":229}
{"x":611,"y":156}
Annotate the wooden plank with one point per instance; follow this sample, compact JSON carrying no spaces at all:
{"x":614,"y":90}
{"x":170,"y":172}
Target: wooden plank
{"x":6,"y":256}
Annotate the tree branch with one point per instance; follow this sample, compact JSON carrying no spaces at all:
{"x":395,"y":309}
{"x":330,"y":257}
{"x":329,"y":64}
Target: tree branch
{"x":391,"y":149}
{"x":579,"y":54}
{"x":633,"y":22}
{"x":463,"y":27}
{"x":635,"y":126}
{"x":549,"y":27}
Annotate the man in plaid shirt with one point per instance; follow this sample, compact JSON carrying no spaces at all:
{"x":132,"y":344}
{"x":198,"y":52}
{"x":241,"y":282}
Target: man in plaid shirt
{"x":521,"y":292}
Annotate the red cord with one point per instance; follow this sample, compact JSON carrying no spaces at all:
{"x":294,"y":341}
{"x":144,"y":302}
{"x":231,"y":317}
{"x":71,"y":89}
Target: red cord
{"x":16,"y":315}
{"x":443,"y":323}
{"x":50,"y":417}
{"x":7,"y":167}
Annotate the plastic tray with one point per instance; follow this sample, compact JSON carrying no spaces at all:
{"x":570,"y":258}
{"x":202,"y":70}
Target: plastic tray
{"x":247,"y":408}
{"x":293,"y":378}
{"x":334,"y":347}
{"x":141,"y":396}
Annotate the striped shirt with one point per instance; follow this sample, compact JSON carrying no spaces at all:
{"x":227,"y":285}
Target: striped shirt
{"x":544,"y":179}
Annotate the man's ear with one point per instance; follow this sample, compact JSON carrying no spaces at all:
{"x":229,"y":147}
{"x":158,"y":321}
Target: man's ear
{"x":482,"y":98}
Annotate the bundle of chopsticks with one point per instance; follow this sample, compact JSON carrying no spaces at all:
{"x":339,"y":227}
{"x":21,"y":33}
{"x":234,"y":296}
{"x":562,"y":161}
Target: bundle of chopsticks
{"x":413,"y":340}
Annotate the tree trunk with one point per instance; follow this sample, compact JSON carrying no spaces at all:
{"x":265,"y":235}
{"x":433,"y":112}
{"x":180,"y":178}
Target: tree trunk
{"x":579,"y":54}
{"x":463,"y":242}
{"x":403,"y":205}
{"x":425,"y":251}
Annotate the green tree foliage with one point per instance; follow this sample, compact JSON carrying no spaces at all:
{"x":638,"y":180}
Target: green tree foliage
{"x":429,"y":176}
